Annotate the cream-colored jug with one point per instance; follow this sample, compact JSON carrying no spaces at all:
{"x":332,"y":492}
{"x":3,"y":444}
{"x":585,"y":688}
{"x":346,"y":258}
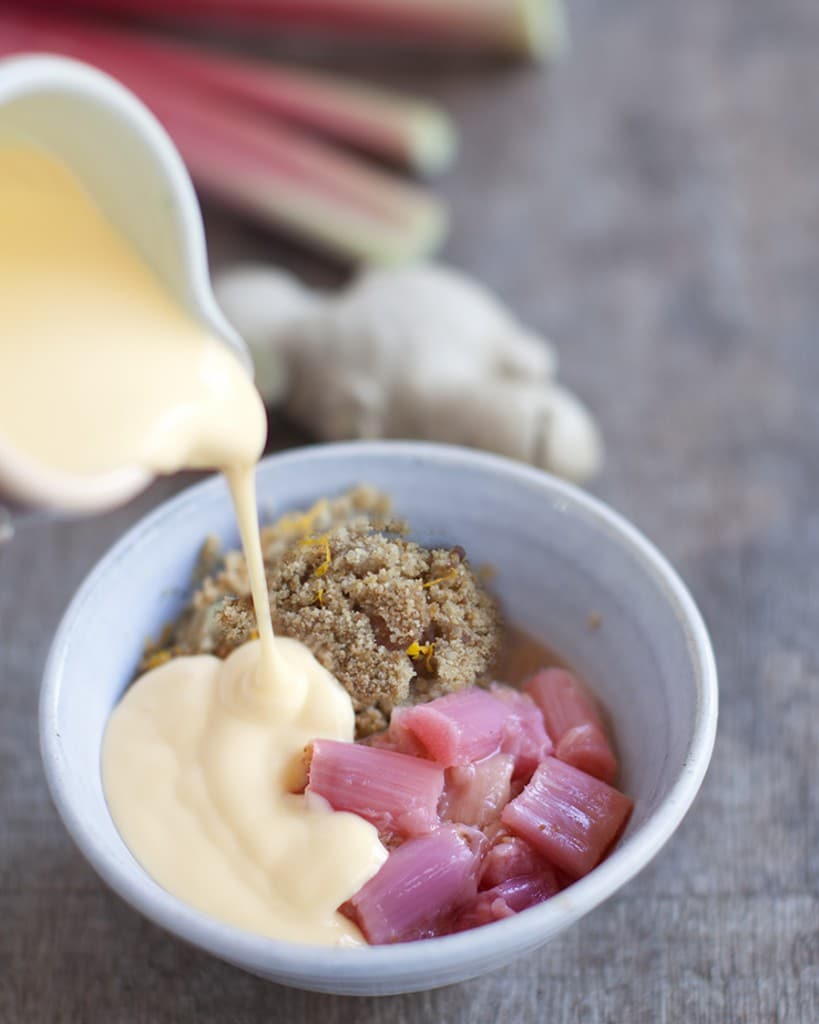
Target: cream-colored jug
{"x":129,"y":166}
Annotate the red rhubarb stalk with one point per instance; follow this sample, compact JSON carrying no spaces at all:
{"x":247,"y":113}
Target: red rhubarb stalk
{"x":281,"y":177}
{"x":302,"y":186}
{"x":529,"y":28}
{"x":381,"y":122}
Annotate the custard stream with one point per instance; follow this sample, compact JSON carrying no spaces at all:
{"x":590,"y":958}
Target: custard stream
{"x":103,"y":371}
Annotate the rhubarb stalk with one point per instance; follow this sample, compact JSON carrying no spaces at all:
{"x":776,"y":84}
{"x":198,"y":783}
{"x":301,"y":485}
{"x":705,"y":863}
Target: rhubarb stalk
{"x":529,"y":28}
{"x":278,"y":175}
{"x":376,"y":120}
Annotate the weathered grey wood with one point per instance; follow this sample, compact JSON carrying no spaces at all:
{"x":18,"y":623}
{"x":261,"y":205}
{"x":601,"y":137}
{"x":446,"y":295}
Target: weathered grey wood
{"x":653,"y":204}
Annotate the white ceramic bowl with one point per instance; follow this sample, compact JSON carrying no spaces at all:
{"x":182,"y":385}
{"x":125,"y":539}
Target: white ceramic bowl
{"x":560,"y":557}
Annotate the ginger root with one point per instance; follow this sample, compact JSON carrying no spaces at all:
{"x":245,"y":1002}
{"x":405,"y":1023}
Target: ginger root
{"x":418,"y":352}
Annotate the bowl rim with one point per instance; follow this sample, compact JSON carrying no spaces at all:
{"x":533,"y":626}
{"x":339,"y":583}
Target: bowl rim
{"x":402,"y":960}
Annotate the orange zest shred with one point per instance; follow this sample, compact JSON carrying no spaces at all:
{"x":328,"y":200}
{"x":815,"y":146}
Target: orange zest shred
{"x":253,"y":634}
{"x":320,"y":596}
{"x":324,"y":542}
{"x":441,"y":579}
{"x":416,"y":651}
{"x":301,"y":524}
{"x":157,"y":659}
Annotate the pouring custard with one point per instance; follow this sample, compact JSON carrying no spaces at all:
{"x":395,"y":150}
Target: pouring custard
{"x":104,"y":372}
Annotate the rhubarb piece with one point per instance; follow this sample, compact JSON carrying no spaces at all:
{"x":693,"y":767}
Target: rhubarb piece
{"x":521,"y":27}
{"x":510,"y":857}
{"x":409,"y":131}
{"x":395,"y":739}
{"x":525,"y":736}
{"x":301,"y":185}
{"x":508,"y":898}
{"x":275,"y":173}
{"x":574,"y":725}
{"x":376,"y":120}
{"x":396,"y":793}
{"x":380,"y":741}
{"x":420,"y":885}
{"x":456,"y":729}
{"x":475,"y":794}
{"x":587,"y":748}
{"x":569,"y":817}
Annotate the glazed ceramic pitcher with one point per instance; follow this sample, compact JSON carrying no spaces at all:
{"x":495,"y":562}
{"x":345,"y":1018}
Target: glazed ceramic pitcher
{"x":130,"y":167}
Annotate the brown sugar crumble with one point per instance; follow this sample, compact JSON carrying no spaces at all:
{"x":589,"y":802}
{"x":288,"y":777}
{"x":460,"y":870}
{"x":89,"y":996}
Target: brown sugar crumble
{"x":396,"y":623}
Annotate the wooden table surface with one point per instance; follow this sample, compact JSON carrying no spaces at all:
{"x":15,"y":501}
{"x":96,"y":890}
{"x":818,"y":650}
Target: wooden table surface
{"x":654,"y":205}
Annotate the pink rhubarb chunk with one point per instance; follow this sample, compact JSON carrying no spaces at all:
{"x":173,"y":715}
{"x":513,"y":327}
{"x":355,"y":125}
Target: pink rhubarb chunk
{"x":572,"y":722}
{"x":397,"y":793}
{"x":569,"y":817}
{"x":525,"y":736}
{"x":419,"y":887}
{"x":456,"y":729}
{"x":506,"y":899}
{"x":396,"y":737}
{"x":511,"y":857}
{"x":475,"y":794}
